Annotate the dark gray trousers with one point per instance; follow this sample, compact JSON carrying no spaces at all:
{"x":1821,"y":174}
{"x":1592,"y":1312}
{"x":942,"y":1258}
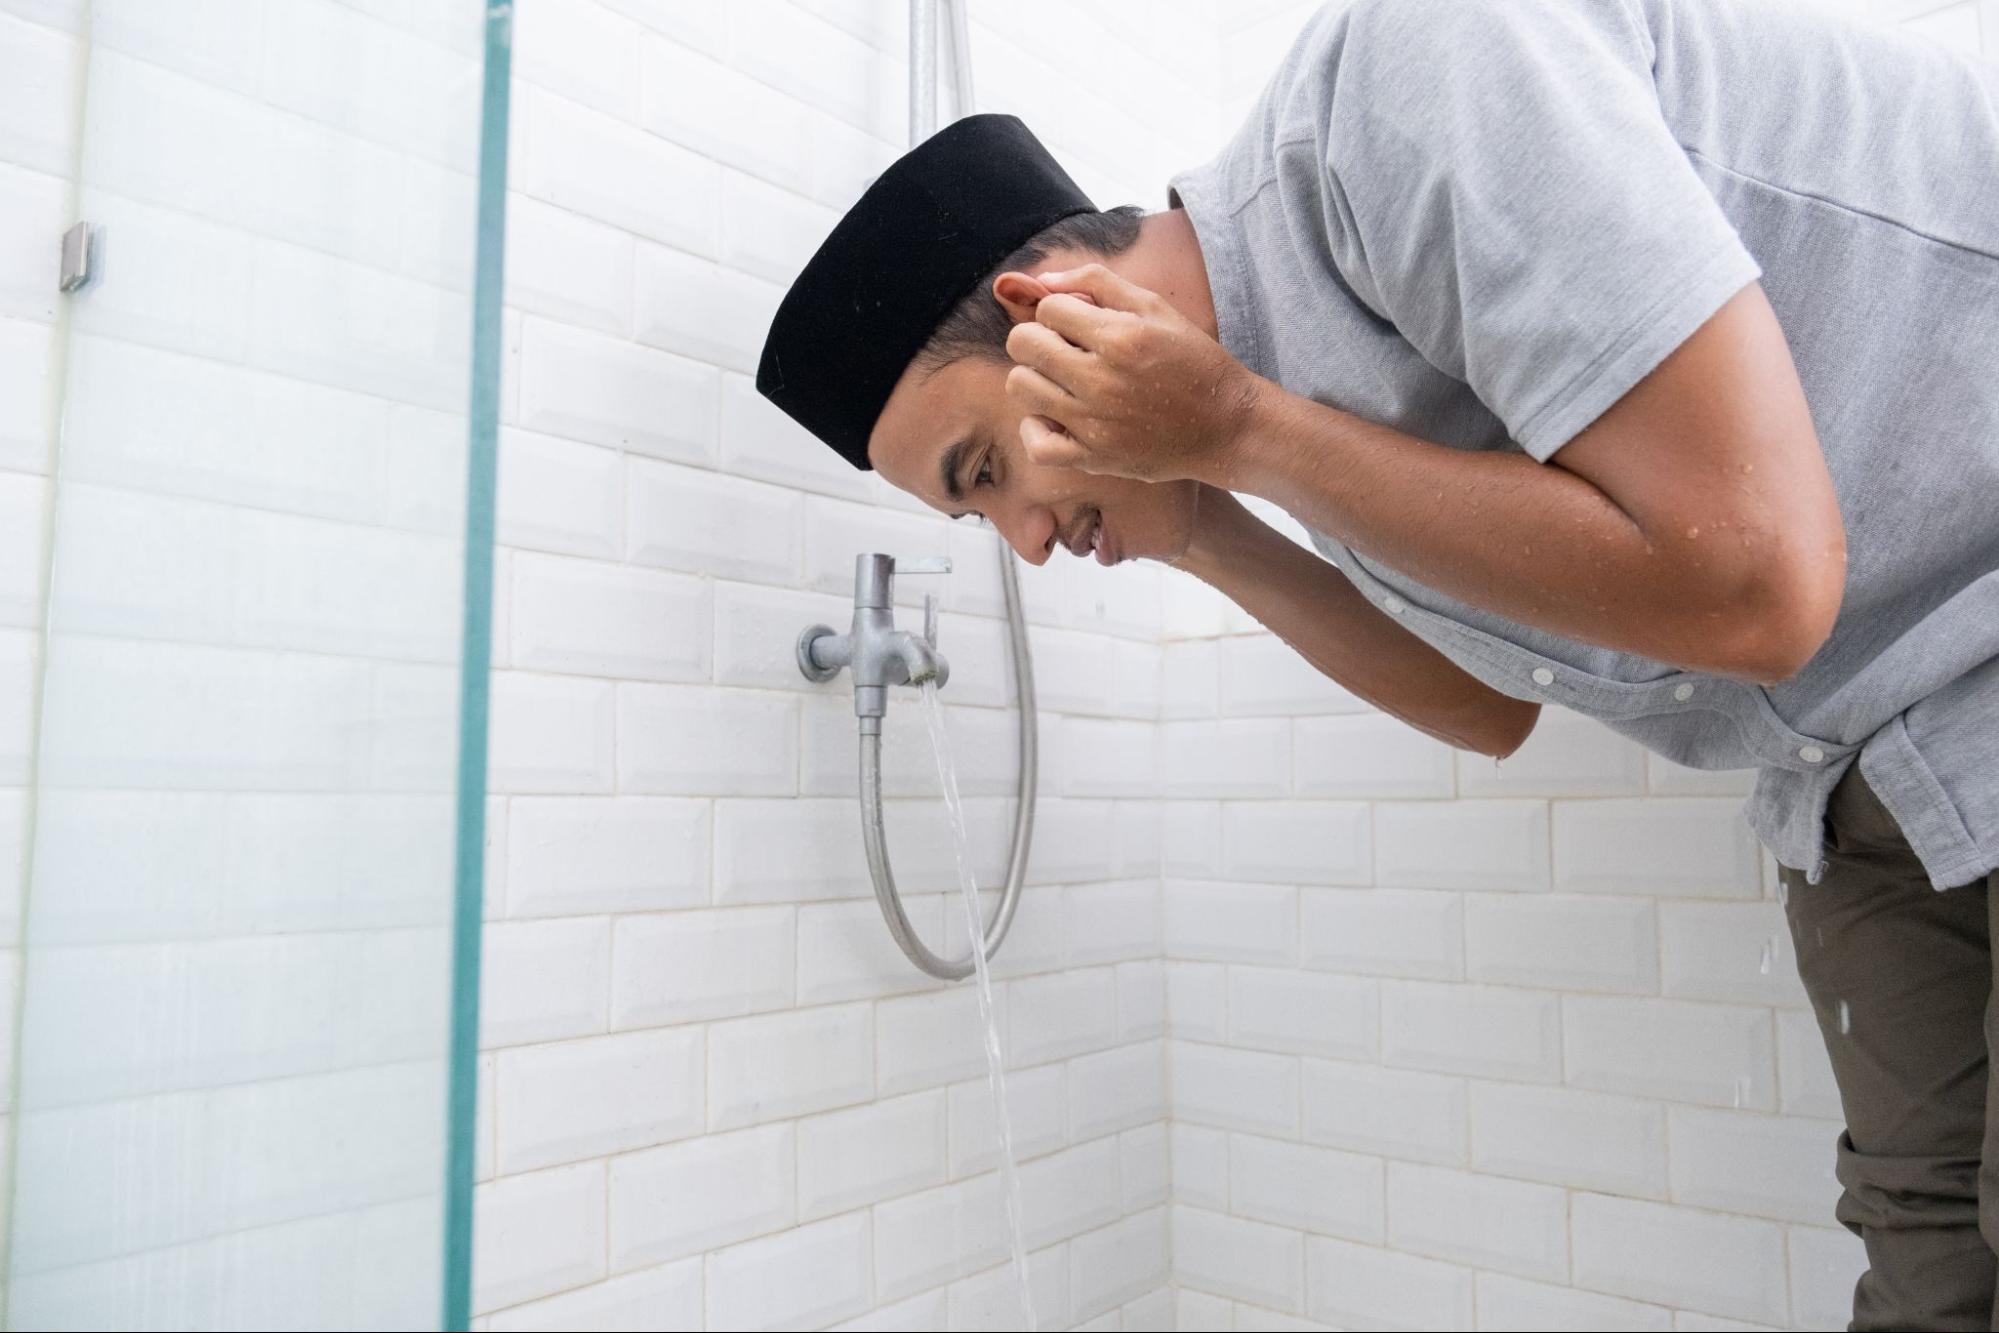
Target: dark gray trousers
{"x":1912,"y":1052}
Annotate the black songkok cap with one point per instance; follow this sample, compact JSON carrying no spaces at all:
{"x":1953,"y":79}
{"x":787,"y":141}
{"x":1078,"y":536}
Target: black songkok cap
{"x":924,"y":234}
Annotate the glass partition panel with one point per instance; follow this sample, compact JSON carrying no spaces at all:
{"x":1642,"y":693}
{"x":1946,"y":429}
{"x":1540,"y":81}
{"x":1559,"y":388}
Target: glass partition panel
{"x":235,"y":1061}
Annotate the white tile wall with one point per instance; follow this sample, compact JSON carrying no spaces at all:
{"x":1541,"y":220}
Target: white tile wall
{"x":1401,"y":1039}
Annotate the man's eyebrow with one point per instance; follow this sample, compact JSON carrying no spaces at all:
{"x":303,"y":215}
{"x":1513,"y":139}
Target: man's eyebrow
{"x":949,"y":466}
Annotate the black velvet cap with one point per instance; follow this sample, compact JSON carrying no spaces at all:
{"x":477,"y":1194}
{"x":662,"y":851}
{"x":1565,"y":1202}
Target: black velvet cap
{"x":933,"y":224}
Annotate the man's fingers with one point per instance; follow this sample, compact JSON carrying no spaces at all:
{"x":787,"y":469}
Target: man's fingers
{"x":1044,"y":350}
{"x":1035,"y":392}
{"x":1109,"y":290}
{"x":1079,"y":321}
{"x":1048,"y":445}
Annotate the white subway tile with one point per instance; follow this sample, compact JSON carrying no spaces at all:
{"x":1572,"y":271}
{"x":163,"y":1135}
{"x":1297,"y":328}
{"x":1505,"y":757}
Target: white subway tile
{"x":593,"y":164}
{"x":926,"y":1040}
{"x":845,"y":951}
{"x":576,"y":854}
{"x":1247,"y":923}
{"x":668,"y":1296}
{"x":1116,"y":1089}
{"x":683,"y":740}
{"x":1510,"y":1303}
{"x":33,"y":207}
{"x":38,"y":121}
{"x":1245,"y":1090}
{"x":1141,"y":1000}
{"x":26,"y":390}
{"x":850,"y":1158}
{"x":557,"y":495}
{"x":543,"y":980}
{"x":1462,"y":845}
{"x":586,"y":386}
{"x":1262,"y":675}
{"x":1567,"y":755}
{"x":23,"y":503}
{"x":1108,"y":923}
{"x":1072,"y":1191}
{"x":184,"y":284}
{"x":536,"y":1234}
{"x":1200,"y":1164}
{"x":1232,"y":1256}
{"x":1677,"y":848}
{"x":1588,"y":1140}
{"x":1126,"y":1261}
{"x":550,"y":734}
{"x":1197,"y":1001}
{"x":1495,"y":1031}
{"x":1191,"y":680}
{"x":1360,"y":1286}
{"x":701,"y":309}
{"x":1037,"y":1113}
{"x":1666,"y":778}
{"x":991,"y":1300}
{"x":1106,"y":757}
{"x":802,"y":1278}
{"x":1060,"y":1014}
{"x":938,"y":1234}
{"x":1296,"y":842}
{"x":568,"y":267}
{"x":756,"y":632}
{"x":1313,"y":1189}
{"x":1304,"y":1013}
{"x":767,"y":231}
{"x":1147,"y":1165}
{"x":1729,"y":951}
{"x":587,"y":617}
{"x":1562,"y":942}
{"x":1386,"y":932}
{"x":1746,"y":1162}
{"x":708,"y":1192}
{"x":775,"y":1066}
{"x":1072,"y":841}
{"x":1678,"y":1256}
{"x":1190,"y":839}
{"x":1368,"y":756}
{"x":582,"y":51}
{"x":723,"y":114}
{"x":817,"y":62}
{"x":567,"y":1100}
{"x":1140,"y":833}
{"x":1482,"y":1221}
{"x":1825,"y":1264}
{"x":759,"y":440}
{"x":685,"y":518}
{"x":1195,"y":1310}
{"x":1721,"y":1055}
{"x":683,"y":967}
{"x":788,"y":851}
{"x":1241,"y":758}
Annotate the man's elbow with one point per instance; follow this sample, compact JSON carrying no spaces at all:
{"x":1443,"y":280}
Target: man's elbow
{"x":1775,"y":620}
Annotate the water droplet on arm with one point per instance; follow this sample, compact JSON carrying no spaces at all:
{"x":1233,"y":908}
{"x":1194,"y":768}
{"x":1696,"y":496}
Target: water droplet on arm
{"x":1845,"y":1018}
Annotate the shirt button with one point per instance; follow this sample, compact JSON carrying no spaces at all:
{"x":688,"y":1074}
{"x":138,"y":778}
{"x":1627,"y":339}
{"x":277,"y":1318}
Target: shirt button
{"x":1543,"y":676}
{"x":1683,"y":692}
{"x":1395,"y":606}
{"x":1811,"y":754}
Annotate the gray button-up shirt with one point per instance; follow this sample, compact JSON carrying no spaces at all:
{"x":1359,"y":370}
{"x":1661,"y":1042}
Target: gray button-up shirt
{"x":1483,"y":221}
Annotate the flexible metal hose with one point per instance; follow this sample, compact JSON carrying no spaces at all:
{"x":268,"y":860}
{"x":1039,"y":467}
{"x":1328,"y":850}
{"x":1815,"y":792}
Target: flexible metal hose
{"x":922,"y":121}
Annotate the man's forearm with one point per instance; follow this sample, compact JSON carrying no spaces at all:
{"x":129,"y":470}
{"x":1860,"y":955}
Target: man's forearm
{"x":1529,"y":541}
{"x":1313,"y":608}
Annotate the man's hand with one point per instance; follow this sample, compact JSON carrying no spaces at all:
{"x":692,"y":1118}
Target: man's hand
{"x":1116,"y":381}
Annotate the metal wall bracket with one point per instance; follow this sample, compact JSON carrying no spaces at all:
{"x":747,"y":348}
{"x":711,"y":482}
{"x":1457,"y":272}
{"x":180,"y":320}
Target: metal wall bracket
{"x":77,"y":245}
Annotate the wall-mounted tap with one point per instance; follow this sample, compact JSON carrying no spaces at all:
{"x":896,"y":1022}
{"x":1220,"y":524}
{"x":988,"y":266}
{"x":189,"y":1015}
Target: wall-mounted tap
{"x":880,"y":654}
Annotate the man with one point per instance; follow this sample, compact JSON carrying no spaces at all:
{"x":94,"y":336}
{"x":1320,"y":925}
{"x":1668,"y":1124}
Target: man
{"x":1639,"y":356}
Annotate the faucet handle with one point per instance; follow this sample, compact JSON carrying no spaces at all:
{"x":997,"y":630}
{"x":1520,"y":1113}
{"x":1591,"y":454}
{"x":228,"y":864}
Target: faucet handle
{"x":930,"y":619}
{"x":928,"y":564}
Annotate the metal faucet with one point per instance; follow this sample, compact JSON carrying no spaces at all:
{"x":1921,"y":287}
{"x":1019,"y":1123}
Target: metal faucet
{"x":880,"y":654}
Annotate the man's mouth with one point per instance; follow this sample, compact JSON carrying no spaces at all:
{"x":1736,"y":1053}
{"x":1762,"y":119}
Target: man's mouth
{"x":1096,"y":539}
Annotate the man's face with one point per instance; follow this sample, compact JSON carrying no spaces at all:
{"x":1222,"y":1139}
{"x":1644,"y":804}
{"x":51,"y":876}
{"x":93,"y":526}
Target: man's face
{"x":951,"y":438}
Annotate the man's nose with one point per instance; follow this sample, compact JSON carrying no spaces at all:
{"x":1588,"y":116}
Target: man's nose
{"x":1030,"y":531}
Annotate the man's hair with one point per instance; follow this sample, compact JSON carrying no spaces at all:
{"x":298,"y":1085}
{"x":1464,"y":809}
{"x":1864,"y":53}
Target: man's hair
{"x":978,"y":324}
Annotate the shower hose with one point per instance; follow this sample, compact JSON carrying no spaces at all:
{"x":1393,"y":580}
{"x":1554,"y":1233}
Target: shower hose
{"x":922,"y":122}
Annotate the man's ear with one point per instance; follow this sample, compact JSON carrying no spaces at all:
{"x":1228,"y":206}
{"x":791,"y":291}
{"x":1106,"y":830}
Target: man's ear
{"x":1019,"y":293}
